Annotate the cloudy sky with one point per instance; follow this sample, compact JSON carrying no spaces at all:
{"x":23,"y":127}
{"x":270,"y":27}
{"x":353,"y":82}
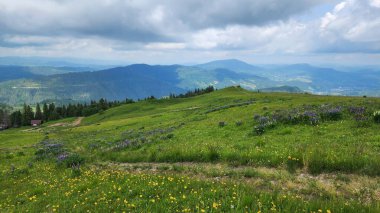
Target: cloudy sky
{"x":193,"y":31}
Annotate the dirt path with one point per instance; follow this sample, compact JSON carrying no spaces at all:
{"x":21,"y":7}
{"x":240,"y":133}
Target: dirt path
{"x":267,"y":179}
{"x":77,"y":122}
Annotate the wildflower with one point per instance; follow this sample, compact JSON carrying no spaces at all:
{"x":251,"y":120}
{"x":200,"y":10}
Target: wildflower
{"x":215,"y":205}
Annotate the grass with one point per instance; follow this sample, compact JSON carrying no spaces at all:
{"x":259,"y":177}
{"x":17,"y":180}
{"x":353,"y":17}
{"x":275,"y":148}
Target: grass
{"x":173,"y":133}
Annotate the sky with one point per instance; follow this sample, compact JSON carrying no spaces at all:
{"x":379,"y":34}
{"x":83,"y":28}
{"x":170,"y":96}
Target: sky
{"x":194,"y":31}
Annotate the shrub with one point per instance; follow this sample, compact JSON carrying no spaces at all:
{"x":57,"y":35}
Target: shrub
{"x":333,"y":114}
{"x":250,"y":173}
{"x":170,"y":136}
{"x":294,"y":118}
{"x":213,"y":154}
{"x":376,"y":116}
{"x":259,"y":129}
{"x":360,"y":116}
{"x":293,"y":163}
{"x":73,"y":161}
{"x":75,"y":172}
{"x":311,"y":118}
{"x":222,"y":123}
{"x":49,"y":149}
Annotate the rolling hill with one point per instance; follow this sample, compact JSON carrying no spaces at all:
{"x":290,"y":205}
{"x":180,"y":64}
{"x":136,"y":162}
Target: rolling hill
{"x":204,"y":153}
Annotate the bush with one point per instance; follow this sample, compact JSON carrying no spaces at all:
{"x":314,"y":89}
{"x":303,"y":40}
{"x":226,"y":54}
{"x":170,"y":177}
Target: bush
{"x":75,"y":172}
{"x":376,"y":117}
{"x":49,"y":149}
{"x":360,"y":116}
{"x":293,"y":163}
{"x":259,"y":129}
{"x":213,"y":154}
{"x":73,"y":161}
{"x":250,"y":173}
{"x":222,"y":123}
{"x":333,"y":114}
{"x":311,"y":118}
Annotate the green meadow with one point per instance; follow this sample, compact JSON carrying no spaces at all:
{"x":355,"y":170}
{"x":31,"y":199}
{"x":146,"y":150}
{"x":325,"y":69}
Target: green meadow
{"x":231,"y":150}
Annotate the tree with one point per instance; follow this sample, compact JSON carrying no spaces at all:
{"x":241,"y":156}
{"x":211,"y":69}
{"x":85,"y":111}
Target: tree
{"x":51,"y":108}
{"x":16,"y":119}
{"x":54,"y":116}
{"x":45,"y":112}
{"x":1,"y":115}
{"x":38,"y":115}
{"x":103,"y":105}
{"x":27,"y":115}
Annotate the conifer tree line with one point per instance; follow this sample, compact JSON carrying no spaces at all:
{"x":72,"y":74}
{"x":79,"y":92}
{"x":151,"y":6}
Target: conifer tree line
{"x":193,"y":92}
{"x":50,"y":112}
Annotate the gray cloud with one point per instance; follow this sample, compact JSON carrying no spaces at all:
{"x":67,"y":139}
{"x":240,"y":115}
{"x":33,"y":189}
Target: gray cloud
{"x":187,"y":29}
{"x":141,"y":20}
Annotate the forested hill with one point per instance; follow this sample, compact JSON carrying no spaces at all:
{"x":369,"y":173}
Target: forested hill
{"x":135,"y":81}
{"x":21,"y":85}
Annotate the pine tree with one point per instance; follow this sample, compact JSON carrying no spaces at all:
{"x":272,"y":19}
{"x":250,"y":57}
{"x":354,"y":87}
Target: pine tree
{"x":64,"y":112}
{"x":51,"y":108}
{"x":1,"y":116}
{"x":45,"y":112}
{"x":16,"y":119}
{"x":27,"y":115}
{"x":38,"y":115}
{"x":54,"y":115}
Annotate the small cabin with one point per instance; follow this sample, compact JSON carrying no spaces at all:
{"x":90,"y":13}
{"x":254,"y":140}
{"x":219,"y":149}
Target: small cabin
{"x":3,"y":127}
{"x":35,"y":122}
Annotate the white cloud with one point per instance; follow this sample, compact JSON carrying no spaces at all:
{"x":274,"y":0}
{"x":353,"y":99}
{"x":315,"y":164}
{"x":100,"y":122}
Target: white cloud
{"x":165,"y":46}
{"x":375,"y":3}
{"x":192,"y":28}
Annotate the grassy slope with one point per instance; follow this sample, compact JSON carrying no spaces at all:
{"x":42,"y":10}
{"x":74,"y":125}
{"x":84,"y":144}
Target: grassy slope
{"x":180,"y":130}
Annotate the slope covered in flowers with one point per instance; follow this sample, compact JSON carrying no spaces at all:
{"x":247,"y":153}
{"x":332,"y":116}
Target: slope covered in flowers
{"x":230,"y":150}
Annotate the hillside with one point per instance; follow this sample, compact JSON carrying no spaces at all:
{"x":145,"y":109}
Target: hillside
{"x":229,"y":150}
{"x":14,"y":72}
{"x":287,"y":89}
{"x":137,"y":81}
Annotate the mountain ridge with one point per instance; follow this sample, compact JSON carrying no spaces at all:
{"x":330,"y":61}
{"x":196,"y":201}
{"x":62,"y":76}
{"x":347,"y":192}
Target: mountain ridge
{"x":138,"y":81}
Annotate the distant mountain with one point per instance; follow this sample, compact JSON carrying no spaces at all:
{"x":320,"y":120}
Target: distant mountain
{"x":134,"y":81}
{"x":230,"y":64}
{"x":20,"y":84}
{"x":57,"y":62}
{"x":11,"y":72}
{"x":14,"y":72}
{"x":287,"y":89}
{"x":196,"y":77}
{"x":321,"y":80}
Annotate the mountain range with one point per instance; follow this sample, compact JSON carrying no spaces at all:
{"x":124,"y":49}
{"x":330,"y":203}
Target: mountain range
{"x":32,"y":84}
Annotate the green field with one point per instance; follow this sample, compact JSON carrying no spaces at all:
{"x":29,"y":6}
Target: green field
{"x":202,"y":154}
